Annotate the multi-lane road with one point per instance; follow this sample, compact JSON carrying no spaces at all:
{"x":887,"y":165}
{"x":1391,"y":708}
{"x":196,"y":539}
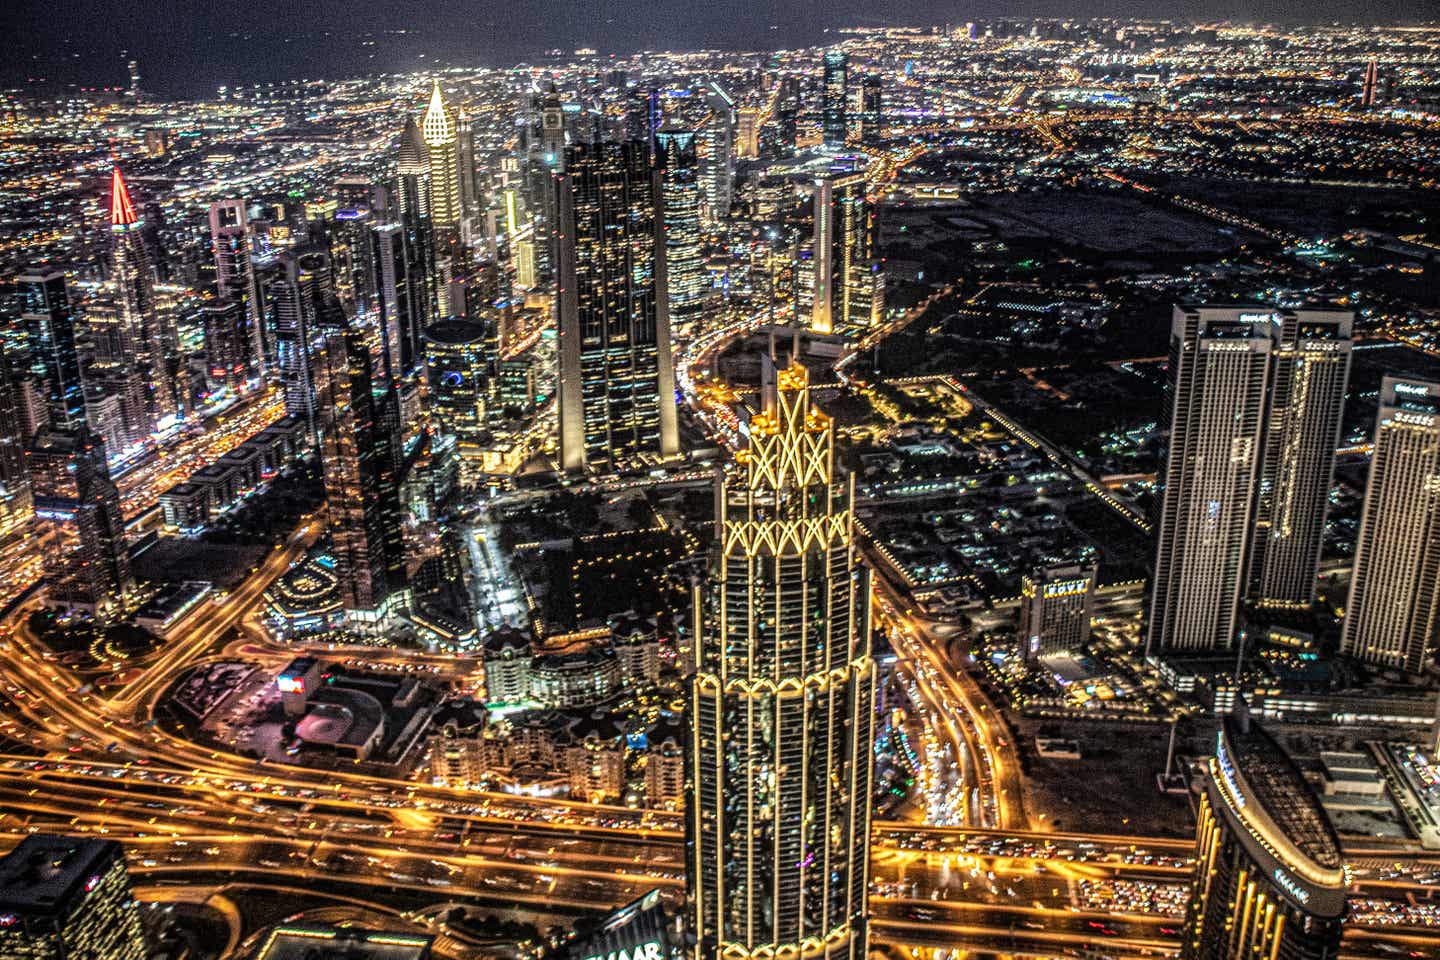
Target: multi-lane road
{"x":183,"y":810}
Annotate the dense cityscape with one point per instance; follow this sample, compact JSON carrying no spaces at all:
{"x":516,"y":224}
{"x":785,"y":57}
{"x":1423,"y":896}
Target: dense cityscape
{"x":957,"y":490}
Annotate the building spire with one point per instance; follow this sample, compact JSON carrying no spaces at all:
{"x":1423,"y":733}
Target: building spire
{"x":122,"y":213}
{"x":439,"y":130}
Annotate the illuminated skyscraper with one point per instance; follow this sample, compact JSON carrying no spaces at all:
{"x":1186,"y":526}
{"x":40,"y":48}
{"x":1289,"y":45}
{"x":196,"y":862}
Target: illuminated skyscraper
{"x":412,"y":161}
{"x":1269,"y":878}
{"x":228,"y":350}
{"x":49,"y":323}
{"x":782,"y":702}
{"x":65,"y":898}
{"x":717,"y":170}
{"x":19,"y":554}
{"x":236,"y":280}
{"x":848,"y":285}
{"x":833,"y":95}
{"x":304,"y":307}
{"x":1219,"y":379}
{"x":362,"y":492}
{"x":1310,"y":371}
{"x":872,"y":112}
{"x":444,"y":162}
{"x":399,"y":297}
{"x":87,"y":558}
{"x":157,"y":360}
{"x":457,"y":369}
{"x":685,"y":274}
{"x":465,"y":164}
{"x":1393,"y":616}
{"x":1056,"y":604}
{"x":617,"y":377}
{"x":1256,"y":398}
{"x":445,"y":213}
{"x":412,"y":190}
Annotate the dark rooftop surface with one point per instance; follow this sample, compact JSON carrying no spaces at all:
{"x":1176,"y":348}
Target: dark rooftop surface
{"x":1279,"y":788}
{"x":332,"y":943}
{"x":46,"y":873}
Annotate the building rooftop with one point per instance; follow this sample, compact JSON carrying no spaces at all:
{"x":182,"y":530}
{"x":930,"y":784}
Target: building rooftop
{"x":1276,"y":785}
{"x":332,"y":943}
{"x":46,"y":873}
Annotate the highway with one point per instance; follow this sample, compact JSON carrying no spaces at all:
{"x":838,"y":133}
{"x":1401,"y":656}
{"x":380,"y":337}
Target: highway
{"x":188,"y":811}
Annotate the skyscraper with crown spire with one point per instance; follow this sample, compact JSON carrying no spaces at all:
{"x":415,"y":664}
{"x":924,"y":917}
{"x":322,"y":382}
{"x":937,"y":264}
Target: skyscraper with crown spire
{"x":156,"y":343}
{"x":439,"y":130}
{"x":782,"y":700}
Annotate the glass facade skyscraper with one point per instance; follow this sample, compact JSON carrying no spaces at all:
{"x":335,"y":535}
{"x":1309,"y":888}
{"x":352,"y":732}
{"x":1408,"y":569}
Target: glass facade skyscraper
{"x":49,"y":322}
{"x":848,"y":285}
{"x":1311,"y":368}
{"x":152,"y":333}
{"x":361,"y":464}
{"x":617,"y":376}
{"x":782,"y":701}
{"x":686,"y":279}
{"x":833,"y":95}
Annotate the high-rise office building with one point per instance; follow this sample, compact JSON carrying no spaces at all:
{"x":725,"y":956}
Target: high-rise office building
{"x":717,"y":170}
{"x":229,"y":352}
{"x":399,"y":298}
{"x":1269,"y":877}
{"x":236,"y":279}
{"x":19,"y":554}
{"x":834,"y":93}
{"x":1056,"y":604}
{"x":871,"y":116}
{"x":782,"y":701}
{"x":445,"y":214}
{"x":304,"y":306}
{"x":362,"y":490}
{"x":617,"y":376}
{"x":412,"y":167}
{"x":65,"y":898}
{"x":685,"y":274}
{"x":1310,"y":371}
{"x":443,"y":155}
{"x":157,"y":360}
{"x":1393,"y":616}
{"x":848,"y":284}
{"x":747,"y":133}
{"x":49,"y":322}
{"x":1256,"y":397}
{"x":83,"y":533}
{"x":412,"y":191}
{"x":458,"y":371}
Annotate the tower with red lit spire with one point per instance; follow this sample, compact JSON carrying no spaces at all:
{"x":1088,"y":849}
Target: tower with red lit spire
{"x":150,"y":331}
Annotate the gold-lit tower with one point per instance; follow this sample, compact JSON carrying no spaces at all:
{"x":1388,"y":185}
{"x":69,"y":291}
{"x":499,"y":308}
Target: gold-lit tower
{"x":782,"y":702}
{"x":438,"y":129}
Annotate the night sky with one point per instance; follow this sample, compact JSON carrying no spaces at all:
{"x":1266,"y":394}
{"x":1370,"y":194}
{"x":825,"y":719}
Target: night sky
{"x":185,"y":47}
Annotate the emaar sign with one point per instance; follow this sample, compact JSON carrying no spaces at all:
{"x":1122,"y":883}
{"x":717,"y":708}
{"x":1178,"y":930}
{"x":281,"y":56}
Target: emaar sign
{"x":649,"y":950}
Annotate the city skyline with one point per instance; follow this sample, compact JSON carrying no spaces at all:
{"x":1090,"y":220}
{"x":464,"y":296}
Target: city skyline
{"x":846,"y":491}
